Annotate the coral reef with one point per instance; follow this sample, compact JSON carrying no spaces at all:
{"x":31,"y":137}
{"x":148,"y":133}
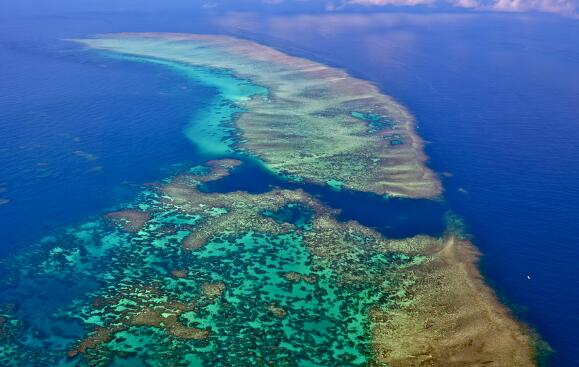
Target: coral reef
{"x":316,"y":123}
{"x":183,"y":276}
{"x":129,"y":220}
{"x":451,"y":319}
{"x":273,"y":279}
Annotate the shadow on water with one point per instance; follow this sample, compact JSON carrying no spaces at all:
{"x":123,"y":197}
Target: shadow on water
{"x":393,"y":217}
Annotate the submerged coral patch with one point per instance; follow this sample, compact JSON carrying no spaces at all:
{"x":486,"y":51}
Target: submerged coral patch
{"x":130,"y":220}
{"x":375,"y":122}
{"x":273,"y":279}
{"x":294,"y":213}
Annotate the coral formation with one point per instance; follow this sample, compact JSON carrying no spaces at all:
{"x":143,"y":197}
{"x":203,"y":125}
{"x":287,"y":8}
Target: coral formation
{"x":451,"y":319}
{"x":275,"y":279}
{"x":129,"y":220}
{"x":316,"y":122}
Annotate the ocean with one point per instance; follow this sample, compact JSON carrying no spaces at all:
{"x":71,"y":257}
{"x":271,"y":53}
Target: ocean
{"x":495,"y":97}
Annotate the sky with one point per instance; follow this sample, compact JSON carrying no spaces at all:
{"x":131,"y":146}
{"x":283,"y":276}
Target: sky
{"x":566,"y":8}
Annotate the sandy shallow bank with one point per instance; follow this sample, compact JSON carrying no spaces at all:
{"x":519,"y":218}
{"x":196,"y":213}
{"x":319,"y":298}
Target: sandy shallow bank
{"x":454,"y":318}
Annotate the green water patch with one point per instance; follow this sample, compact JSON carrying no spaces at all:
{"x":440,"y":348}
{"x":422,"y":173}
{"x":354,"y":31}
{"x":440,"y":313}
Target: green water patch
{"x":375,"y":122}
{"x":335,"y":184}
{"x":394,"y":139}
{"x":378,"y":123}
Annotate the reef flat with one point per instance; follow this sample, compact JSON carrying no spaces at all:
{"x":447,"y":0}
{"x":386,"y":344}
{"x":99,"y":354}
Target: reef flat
{"x":182,"y":277}
{"x":453,"y":318}
{"x":315,"y":123}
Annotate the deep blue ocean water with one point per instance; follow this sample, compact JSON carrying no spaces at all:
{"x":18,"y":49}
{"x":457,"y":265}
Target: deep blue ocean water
{"x":80,"y":132}
{"x":495,"y":95}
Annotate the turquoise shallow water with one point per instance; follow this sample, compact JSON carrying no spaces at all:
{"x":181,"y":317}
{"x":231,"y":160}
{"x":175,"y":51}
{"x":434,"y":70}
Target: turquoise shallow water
{"x":211,"y":128}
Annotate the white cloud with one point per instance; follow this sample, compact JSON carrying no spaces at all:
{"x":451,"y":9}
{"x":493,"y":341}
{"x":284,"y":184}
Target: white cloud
{"x":564,"y":7}
{"x":549,"y":6}
{"x":392,"y":2}
{"x":465,"y":3}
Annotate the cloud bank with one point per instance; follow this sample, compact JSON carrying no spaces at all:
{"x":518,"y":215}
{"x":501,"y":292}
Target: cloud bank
{"x":549,"y":6}
{"x":564,"y":7}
